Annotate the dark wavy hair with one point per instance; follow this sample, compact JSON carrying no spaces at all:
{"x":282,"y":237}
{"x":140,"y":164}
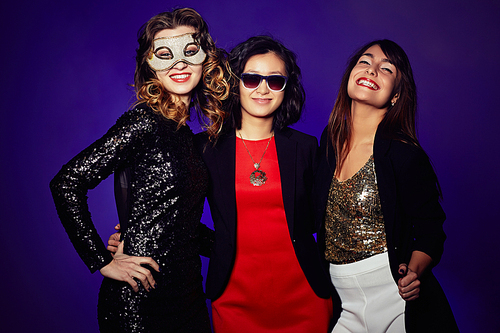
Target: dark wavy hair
{"x":290,"y":110}
{"x":207,"y":95}
{"x":399,"y":120}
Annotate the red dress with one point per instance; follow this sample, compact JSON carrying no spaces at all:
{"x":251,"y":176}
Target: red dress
{"x":267,"y":290}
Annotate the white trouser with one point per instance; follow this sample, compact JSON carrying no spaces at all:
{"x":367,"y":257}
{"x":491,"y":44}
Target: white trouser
{"x":369,"y":295}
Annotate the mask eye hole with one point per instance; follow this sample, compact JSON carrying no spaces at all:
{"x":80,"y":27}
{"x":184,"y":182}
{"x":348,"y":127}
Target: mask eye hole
{"x":191,"y":49}
{"x":164,"y":53}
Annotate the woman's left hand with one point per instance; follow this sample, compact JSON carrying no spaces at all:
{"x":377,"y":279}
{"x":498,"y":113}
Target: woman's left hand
{"x":408,"y":284}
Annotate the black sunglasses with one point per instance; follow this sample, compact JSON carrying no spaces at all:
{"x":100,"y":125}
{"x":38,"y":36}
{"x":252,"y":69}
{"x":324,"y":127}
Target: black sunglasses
{"x":274,"y":82}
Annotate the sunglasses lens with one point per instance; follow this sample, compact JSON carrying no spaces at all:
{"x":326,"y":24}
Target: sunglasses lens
{"x":276,"y":82}
{"x":251,"y":81}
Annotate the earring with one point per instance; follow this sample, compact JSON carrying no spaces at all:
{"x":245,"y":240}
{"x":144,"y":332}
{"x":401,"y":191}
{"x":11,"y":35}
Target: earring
{"x":392,"y":104}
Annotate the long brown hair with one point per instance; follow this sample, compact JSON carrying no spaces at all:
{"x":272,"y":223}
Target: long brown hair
{"x":399,"y":120}
{"x":210,"y":91}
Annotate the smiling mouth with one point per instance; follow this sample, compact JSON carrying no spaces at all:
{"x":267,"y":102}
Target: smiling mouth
{"x":262,"y":100}
{"x":180,"y":77}
{"x":367,"y":83}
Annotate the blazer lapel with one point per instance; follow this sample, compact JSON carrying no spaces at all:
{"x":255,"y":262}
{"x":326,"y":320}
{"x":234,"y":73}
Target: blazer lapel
{"x":225,"y":155}
{"x":383,"y":170}
{"x":327,"y":171}
{"x":287,"y":155}
{"x":324,"y":170}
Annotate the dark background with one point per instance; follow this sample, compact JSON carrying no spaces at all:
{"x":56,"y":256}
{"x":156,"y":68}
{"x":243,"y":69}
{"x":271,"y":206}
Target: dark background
{"x":65,"y":75}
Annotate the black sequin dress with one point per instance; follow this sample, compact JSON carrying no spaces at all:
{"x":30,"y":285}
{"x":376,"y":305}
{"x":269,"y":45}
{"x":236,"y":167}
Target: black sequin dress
{"x":168,"y":181}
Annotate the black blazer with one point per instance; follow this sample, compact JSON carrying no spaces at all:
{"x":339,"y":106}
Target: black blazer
{"x":296,"y":153}
{"x":413,"y":220}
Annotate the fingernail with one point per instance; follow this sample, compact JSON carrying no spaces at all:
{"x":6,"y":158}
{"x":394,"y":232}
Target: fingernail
{"x":401,"y":271}
{"x":156,"y":285}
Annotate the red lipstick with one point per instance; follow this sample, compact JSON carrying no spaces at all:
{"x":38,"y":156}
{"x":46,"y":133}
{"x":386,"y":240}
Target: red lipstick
{"x":368,"y":83}
{"x":180,"y":77}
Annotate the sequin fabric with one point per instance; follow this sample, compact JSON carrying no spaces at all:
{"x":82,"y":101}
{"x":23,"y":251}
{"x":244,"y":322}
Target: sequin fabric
{"x":168,"y":186}
{"x":354,"y":222}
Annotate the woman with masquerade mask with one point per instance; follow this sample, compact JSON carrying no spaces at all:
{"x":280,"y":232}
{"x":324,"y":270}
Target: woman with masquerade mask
{"x":265,"y":273}
{"x":382,"y":229}
{"x":153,"y":283}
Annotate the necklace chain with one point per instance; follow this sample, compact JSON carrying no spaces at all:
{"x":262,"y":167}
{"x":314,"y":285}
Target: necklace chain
{"x":256,"y":165}
{"x":258,"y":177}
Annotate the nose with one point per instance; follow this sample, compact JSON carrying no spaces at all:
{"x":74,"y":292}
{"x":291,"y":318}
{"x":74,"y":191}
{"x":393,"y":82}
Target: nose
{"x":371,"y":71}
{"x":180,"y":65}
{"x":263,"y":89}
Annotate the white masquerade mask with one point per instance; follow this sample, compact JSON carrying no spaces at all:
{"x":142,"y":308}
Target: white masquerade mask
{"x":168,"y":51}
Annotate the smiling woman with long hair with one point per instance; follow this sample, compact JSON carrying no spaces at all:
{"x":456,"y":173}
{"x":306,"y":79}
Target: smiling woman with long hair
{"x":377,"y":200}
{"x":153,"y":283}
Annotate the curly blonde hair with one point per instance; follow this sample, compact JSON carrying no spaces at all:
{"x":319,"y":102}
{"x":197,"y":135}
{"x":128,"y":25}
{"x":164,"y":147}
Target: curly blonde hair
{"x":213,"y":88}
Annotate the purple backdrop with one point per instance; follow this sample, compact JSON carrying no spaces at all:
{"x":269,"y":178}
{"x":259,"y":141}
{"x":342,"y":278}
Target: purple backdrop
{"x":65,"y":75}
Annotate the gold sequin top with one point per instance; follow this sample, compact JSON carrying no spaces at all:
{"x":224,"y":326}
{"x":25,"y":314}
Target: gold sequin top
{"x":354,"y":222}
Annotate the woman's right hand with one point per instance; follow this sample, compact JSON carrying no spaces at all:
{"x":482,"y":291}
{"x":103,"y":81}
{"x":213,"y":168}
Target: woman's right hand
{"x":124,"y":268}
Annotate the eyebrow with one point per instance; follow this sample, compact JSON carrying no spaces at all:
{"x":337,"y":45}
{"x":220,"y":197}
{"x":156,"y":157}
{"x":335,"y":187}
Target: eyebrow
{"x":383,"y":60}
{"x":253,"y":71}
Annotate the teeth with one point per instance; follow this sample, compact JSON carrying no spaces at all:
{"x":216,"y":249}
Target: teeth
{"x":368,"y":84}
{"x":177,"y":77}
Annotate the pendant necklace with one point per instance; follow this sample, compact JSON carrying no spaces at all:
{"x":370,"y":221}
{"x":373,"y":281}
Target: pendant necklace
{"x":258,"y":177}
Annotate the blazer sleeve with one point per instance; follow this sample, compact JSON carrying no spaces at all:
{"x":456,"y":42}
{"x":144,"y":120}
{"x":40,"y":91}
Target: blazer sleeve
{"x":419,"y":198}
{"x":323,"y":174}
{"x":205,"y":235}
{"x":206,"y":238}
{"x":309,"y":152}
{"x":85,"y":171}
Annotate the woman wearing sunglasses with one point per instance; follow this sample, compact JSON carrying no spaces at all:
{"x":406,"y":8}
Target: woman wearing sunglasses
{"x":265,"y":273}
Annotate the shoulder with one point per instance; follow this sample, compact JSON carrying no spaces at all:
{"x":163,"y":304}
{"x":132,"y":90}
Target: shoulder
{"x":404,"y":153}
{"x":397,"y":147}
{"x":140,"y":116}
{"x":406,"y":160}
{"x":324,"y":136}
{"x":142,"y":119}
{"x":204,"y":144}
{"x":300,"y":137}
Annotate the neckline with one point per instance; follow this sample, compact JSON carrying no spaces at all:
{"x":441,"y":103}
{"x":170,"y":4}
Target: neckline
{"x":355,"y":174}
{"x":259,"y":140}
